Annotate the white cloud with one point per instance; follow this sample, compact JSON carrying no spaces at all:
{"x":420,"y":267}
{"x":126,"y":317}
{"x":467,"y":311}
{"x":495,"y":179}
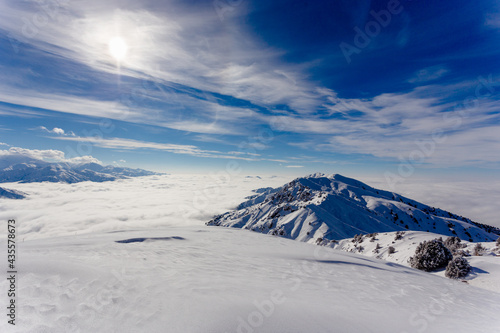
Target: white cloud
{"x":129,"y":144}
{"x":391,"y":125}
{"x":59,"y":131}
{"x":196,"y":51}
{"x":476,"y":199}
{"x":294,"y":166}
{"x":492,"y":20}
{"x":55,"y":130}
{"x":192,"y":49}
{"x":211,"y":118}
{"x":4,"y":144}
{"x":83,"y":160}
{"x":45,"y":155}
{"x":428,"y":74}
{"x":49,"y":155}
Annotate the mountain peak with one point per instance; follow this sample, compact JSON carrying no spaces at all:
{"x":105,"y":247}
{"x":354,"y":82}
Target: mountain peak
{"x":336,"y":207}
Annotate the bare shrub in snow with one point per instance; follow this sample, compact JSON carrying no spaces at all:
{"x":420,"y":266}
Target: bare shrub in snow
{"x":358,"y":238}
{"x":498,"y":241}
{"x":457,"y":268}
{"x":391,"y":249}
{"x":454,"y":244}
{"x":431,"y":255}
{"x":479,"y":249}
{"x":377,"y":248}
{"x":399,"y":235}
{"x":372,"y":236}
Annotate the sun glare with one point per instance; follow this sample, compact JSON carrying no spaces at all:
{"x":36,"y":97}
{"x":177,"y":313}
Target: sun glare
{"x":118,"y":48}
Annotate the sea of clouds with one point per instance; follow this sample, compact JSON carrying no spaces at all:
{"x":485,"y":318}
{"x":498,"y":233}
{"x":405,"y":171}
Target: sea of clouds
{"x":56,"y":209}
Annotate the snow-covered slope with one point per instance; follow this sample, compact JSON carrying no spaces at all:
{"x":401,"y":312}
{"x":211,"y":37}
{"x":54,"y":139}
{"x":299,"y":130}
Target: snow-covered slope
{"x":199,"y":279}
{"x":28,"y":170}
{"x":11,"y":194}
{"x":485,"y":265}
{"x":320,"y":207}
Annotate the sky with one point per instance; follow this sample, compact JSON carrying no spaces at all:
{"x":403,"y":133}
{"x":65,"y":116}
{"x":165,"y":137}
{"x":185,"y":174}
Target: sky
{"x":394,"y":89}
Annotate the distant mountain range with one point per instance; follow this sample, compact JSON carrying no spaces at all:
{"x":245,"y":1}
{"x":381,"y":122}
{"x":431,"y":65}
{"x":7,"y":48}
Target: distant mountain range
{"x":321,"y":208}
{"x":23,"y":169}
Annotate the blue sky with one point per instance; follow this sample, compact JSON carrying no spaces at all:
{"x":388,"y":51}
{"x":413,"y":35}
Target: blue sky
{"x":383,"y":87}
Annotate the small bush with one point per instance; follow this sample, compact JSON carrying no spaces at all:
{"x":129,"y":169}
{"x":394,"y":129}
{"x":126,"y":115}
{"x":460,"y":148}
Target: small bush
{"x":454,"y":244}
{"x":479,"y":249}
{"x":399,"y":235}
{"x":498,"y":241}
{"x":372,"y":236}
{"x":377,"y":248}
{"x":358,"y":238}
{"x":391,"y":249}
{"x":431,"y":255}
{"x":457,"y":268}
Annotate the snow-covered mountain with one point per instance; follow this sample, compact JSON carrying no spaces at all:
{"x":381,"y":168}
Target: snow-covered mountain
{"x":11,"y":194}
{"x":320,"y":208}
{"x":29,"y":170}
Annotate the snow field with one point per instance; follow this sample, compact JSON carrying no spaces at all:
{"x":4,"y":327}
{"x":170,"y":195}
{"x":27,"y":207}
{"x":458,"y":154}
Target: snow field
{"x":212,"y":279}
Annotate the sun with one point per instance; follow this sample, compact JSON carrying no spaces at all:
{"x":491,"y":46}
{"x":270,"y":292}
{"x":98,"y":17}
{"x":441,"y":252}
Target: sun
{"x":118,"y":48}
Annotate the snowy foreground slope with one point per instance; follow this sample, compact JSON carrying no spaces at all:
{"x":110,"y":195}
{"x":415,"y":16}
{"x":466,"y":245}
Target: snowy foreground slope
{"x":320,"y":207}
{"x":134,"y":255}
{"x":485,"y":271}
{"x":200,"y":279}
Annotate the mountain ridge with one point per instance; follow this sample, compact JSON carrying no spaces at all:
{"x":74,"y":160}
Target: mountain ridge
{"x":28,"y":170}
{"x":332,"y":207}
{"x":11,"y":194}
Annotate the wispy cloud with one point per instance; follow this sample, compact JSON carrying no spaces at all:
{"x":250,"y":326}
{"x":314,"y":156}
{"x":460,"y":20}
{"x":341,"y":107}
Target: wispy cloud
{"x":428,"y":74}
{"x":189,"y":72}
{"x":197,"y":50}
{"x":129,"y":144}
{"x":392,"y":125}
